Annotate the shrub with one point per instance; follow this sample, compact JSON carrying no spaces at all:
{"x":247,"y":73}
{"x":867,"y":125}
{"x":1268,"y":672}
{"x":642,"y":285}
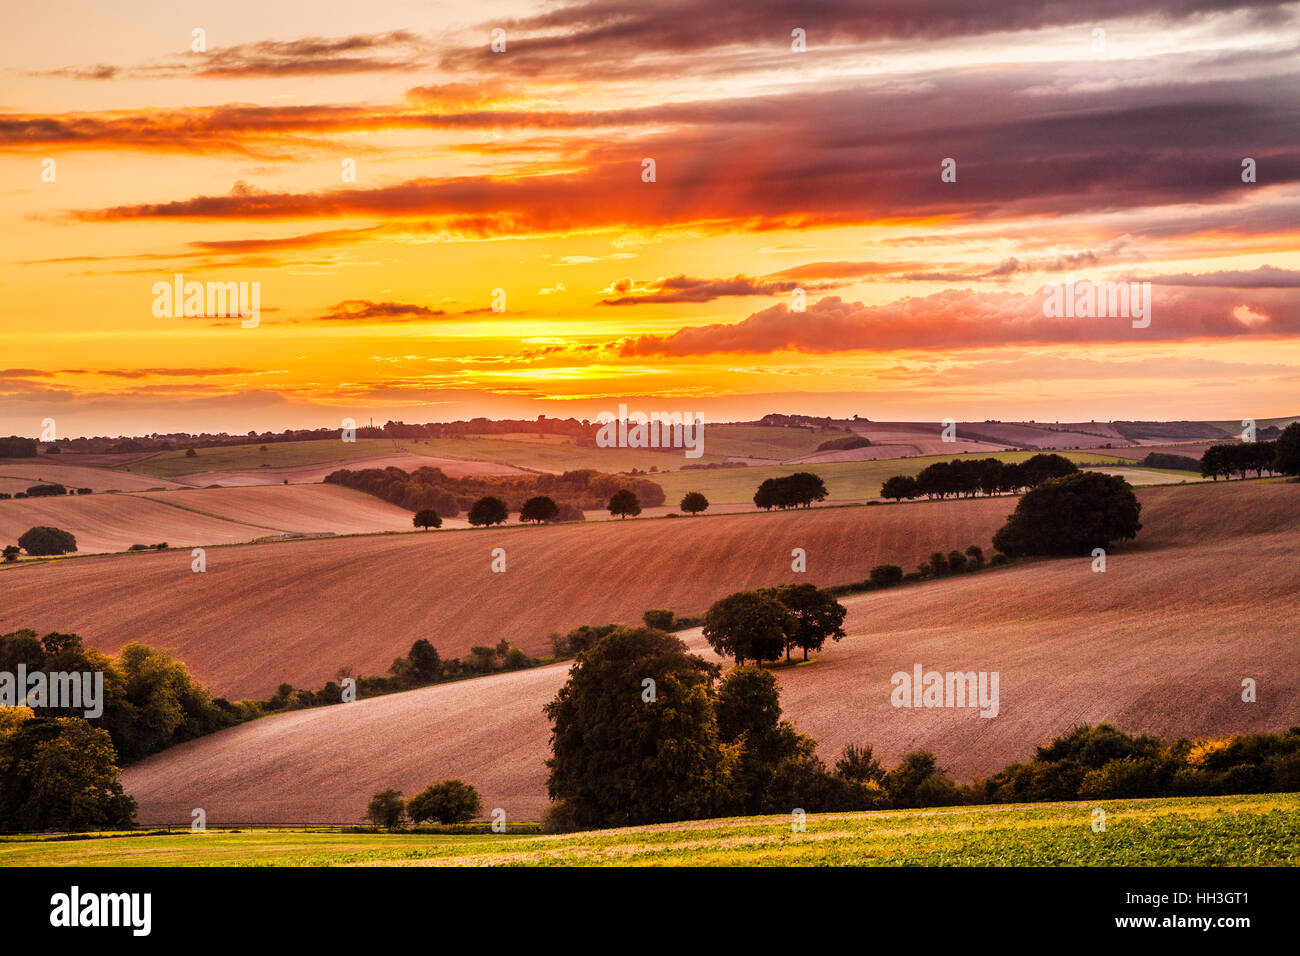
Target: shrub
{"x":11,"y":552}
{"x":190,"y":453}
{"x":886,"y":575}
{"x":660,"y":620}
{"x":46,"y":491}
{"x":42,"y":540}
{"x":449,"y":801}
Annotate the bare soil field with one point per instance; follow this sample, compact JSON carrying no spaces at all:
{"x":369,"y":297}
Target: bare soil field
{"x":186,"y":518}
{"x":1159,"y":643}
{"x":17,"y":474}
{"x":297,"y":611}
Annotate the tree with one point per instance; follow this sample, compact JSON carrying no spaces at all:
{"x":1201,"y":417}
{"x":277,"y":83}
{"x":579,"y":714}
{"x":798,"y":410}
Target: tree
{"x":748,"y":625}
{"x":50,"y":490}
{"x":815,"y":615}
{"x":449,"y":801}
{"x":488,"y":511}
{"x":1071,"y":515}
{"x":11,"y":552}
{"x":44,"y":540}
{"x":620,"y":759}
{"x":693,"y":503}
{"x":58,"y":773}
{"x":900,"y":487}
{"x":539,"y":509}
{"x":386,"y":809}
{"x":427,"y":518}
{"x":1287,"y":450}
{"x":748,"y":706}
{"x":426,"y":664}
{"x":805,"y":488}
{"x":624,"y":503}
{"x":190,"y":453}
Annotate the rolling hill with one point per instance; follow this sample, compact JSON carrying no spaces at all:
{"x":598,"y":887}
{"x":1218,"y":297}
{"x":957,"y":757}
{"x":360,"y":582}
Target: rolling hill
{"x":1159,"y":643}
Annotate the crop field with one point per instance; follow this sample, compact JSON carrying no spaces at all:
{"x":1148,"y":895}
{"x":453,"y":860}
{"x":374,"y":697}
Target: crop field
{"x":1131,"y":646}
{"x":1261,"y":830}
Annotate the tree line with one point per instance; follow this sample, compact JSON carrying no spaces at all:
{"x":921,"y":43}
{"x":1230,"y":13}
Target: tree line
{"x":1241,"y":458}
{"x":968,"y":477}
{"x":430,"y":488}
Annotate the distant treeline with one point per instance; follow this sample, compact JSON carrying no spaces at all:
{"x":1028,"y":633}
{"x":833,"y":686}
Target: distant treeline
{"x":427,"y":487}
{"x":1258,"y":456}
{"x":971,"y":476}
{"x":1171,"y":462}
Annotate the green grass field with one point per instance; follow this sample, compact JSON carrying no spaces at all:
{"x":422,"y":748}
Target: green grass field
{"x":848,"y":480}
{"x":170,"y":464}
{"x":1256,"y":830}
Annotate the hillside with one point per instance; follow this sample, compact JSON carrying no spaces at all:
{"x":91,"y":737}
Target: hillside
{"x":297,"y":611}
{"x":1157,"y":644}
{"x":214,"y":516}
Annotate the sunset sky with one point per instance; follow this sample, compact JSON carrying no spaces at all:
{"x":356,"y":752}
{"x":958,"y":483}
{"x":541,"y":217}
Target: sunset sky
{"x":1103,"y":156}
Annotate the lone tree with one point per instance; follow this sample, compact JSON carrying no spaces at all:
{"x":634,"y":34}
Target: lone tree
{"x":539,"y":509}
{"x":386,"y":809}
{"x":1287,"y":450}
{"x":427,"y":518}
{"x":815,"y":616}
{"x":1071,"y":515}
{"x":488,"y":511}
{"x":694,"y":502}
{"x":624,"y":503}
{"x":42,"y":540}
{"x":449,"y":801}
{"x":621,"y":759}
{"x":748,"y":625}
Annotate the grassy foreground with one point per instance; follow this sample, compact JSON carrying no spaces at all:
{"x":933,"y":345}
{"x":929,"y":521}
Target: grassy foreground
{"x":1256,"y":830}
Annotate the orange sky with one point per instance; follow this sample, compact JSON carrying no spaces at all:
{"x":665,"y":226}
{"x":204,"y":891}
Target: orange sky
{"x":779,"y":173}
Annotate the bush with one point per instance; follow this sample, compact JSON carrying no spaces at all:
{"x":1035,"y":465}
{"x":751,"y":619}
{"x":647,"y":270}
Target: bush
{"x":46,"y":491}
{"x":11,"y":552}
{"x":886,"y":575}
{"x":386,"y":809}
{"x":660,"y":620}
{"x":450,"y":801}
{"x":1071,"y":515}
{"x":42,"y":540}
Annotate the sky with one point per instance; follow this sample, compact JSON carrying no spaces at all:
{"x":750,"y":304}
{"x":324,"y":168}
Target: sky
{"x":515,"y":208}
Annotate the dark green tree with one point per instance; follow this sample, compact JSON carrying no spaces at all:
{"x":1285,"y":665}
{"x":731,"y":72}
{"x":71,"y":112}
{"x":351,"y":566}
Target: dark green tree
{"x":539,"y":509}
{"x":748,"y":625}
{"x":448,"y":801}
{"x":427,"y":518}
{"x":693,"y":503}
{"x":1071,"y":515}
{"x":387,"y":809}
{"x":488,"y":511}
{"x":624,"y":503}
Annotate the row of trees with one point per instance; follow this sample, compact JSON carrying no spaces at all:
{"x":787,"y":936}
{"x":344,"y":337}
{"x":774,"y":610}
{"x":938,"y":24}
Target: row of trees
{"x":971,"y":476}
{"x":799,"y":490}
{"x":430,"y":488}
{"x":542,"y":509}
{"x":1280,"y":457}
